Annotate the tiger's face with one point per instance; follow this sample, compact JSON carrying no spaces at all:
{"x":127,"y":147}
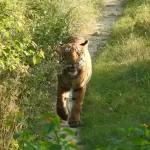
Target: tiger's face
{"x":72,"y":57}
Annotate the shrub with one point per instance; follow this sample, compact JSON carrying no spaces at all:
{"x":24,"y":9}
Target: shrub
{"x":138,"y":138}
{"x":25,"y":140}
{"x":29,"y":33}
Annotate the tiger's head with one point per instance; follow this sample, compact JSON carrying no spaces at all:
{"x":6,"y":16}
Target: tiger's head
{"x":72,"y":56}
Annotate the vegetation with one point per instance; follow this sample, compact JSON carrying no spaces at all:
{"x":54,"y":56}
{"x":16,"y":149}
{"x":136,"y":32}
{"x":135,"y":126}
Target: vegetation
{"x":29,"y":33}
{"x":119,"y":88}
{"x":138,"y":137}
{"x":53,"y":137}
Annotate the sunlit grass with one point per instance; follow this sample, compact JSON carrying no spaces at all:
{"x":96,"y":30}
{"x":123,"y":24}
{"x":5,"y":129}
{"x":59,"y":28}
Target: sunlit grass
{"x":119,"y":88}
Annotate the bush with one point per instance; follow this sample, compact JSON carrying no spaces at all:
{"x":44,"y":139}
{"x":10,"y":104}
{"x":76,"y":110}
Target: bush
{"x":138,"y":138}
{"x":29,"y":33}
{"x":25,"y":140}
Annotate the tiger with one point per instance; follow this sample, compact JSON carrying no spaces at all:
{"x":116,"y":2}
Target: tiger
{"x":75,"y":60}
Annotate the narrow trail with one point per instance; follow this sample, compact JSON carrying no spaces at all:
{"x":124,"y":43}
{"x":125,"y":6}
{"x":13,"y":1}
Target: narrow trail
{"x":110,"y":14}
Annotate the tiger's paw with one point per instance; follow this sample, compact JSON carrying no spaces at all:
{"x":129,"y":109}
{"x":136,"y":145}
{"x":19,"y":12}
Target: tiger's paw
{"x":74,"y":123}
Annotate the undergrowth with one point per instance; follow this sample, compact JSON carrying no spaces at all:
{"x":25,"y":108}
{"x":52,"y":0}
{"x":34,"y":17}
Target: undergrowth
{"x":29,"y":33}
{"x":51,"y":137}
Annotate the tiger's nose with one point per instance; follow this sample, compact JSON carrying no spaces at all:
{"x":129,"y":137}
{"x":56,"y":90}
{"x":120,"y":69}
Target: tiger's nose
{"x":72,"y":67}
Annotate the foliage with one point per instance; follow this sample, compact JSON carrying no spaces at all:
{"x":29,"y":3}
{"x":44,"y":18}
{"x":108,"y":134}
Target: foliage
{"x":138,"y":137}
{"x":16,"y":44}
{"x":25,"y":140}
{"x":28,"y":27}
{"x":29,"y":33}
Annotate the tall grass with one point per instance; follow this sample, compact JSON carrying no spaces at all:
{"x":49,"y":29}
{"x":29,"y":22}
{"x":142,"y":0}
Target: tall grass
{"x":29,"y":33}
{"x":119,"y":88}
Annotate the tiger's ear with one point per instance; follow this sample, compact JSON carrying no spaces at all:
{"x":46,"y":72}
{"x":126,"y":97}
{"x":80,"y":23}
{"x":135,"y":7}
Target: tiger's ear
{"x":85,"y":43}
{"x":60,"y":44}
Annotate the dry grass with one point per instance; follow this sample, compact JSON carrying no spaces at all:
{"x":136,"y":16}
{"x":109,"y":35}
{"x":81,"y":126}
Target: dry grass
{"x":9,"y":91}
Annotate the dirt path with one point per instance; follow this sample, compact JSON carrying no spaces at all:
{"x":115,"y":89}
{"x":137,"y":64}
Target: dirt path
{"x":111,"y":12}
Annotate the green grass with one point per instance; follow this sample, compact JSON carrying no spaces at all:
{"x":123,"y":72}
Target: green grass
{"x":119,"y":94}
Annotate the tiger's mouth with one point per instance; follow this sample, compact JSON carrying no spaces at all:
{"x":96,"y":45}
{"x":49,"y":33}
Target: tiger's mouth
{"x":72,"y":71}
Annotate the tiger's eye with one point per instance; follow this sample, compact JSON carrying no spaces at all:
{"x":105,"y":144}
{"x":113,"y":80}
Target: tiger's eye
{"x":79,"y":51}
{"x":67,"y":49}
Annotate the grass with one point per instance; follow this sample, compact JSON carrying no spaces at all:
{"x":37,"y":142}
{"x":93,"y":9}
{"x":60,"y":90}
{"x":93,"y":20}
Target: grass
{"x":119,"y":88}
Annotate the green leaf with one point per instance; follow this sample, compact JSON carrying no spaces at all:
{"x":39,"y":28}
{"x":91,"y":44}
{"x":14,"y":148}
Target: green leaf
{"x":16,"y":136}
{"x":48,"y":128}
{"x":122,"y":148}
{"x":44,"y":116}
{"x":98,"y":149}
{"x":145,"y":142}
{"x":24,"y":123}
{"x":64,"y":142}
{"x":147,"y":133}
{"x":28,"y":146}
{"x":10,"y":68}
{"x":63,"y":136}
{"x":102,"y":147}
{"x":139,"y":130}
{"x":38,"y":147}
{"x":137,"y":140}
{"x":72,"y":146}
{"x":7,"y":34}
{"x":26,"y":135}
{"x":56,"y":147}
{"x":19,"y":115}
{"x":122,"y":131}
{"x":13,"y":67}
{"x":45,"y":144}
{"x":19,"y":28}
{"x":1,"y":26}
{"x":67,"y":130}
{"x":2,"y":65}
{"x":56,"y":121}
{"x":130,"y":130}
{"x":26,"y":53}
{"x":9,"y":123}
{"x":34,"y":60}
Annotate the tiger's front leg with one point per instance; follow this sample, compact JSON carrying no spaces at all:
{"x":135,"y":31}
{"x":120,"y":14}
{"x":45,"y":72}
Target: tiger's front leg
{"x":62,"y":97}
{"x":78,"y":95}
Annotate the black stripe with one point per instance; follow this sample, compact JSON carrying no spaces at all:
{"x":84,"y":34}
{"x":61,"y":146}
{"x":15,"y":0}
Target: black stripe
{"x":76,"y":90}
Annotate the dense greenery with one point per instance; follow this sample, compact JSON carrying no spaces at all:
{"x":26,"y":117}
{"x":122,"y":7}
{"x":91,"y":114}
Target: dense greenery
{"x":54,"y":137}
{"x":119,"y":88}
{"x":29,"y":33}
